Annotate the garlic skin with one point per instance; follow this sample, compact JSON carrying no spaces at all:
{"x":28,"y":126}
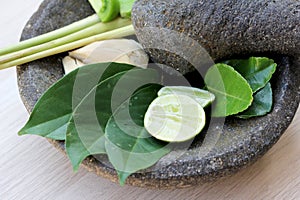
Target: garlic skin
{"x":70,"y":64}
{"x":116,"y":50}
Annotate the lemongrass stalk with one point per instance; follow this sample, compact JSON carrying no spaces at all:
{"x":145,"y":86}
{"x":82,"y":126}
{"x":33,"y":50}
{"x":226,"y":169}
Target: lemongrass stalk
{"x":117,"y":33}
{"x":85,"y":33}
{"x":74,"y":27}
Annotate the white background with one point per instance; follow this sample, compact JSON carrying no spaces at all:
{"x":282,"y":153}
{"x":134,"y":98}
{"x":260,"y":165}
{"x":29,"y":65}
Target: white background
{"x":30,"y":168}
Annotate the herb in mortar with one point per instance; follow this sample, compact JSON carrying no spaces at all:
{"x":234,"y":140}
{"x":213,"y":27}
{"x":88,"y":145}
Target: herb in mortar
{"x":258,"y":72}
{"x":128,"y":145}
{"x":242,"y":88}
{"x":102,"y":108}
{"x":232,"y":91}
{"x":85,"y":108}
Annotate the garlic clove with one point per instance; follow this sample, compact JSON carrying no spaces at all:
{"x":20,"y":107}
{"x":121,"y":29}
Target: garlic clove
{"x":116,"y":50}
{"x":70,"y":64}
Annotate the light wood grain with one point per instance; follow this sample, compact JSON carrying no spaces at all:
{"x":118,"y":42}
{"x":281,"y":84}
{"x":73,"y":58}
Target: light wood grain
{"x":30,"y":168}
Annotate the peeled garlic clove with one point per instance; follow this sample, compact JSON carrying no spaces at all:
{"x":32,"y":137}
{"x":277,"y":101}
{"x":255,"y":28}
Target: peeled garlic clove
{"x":103,"y":55}
{"x":115,"y":50}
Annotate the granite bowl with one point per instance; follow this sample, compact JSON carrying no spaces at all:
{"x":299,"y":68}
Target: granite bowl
{"x":214,"y":155}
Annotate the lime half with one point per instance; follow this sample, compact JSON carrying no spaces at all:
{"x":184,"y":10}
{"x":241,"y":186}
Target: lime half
{"x":174,"y":118}
{"x":203,"y":97}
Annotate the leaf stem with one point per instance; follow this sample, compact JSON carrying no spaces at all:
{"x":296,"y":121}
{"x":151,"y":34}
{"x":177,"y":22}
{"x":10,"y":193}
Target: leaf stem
{"x":74,"y":27}
{"x":116,"y":33}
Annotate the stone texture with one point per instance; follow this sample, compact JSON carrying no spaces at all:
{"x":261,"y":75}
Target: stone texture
{"x":219,"y":152}
{"x":224,"y":28}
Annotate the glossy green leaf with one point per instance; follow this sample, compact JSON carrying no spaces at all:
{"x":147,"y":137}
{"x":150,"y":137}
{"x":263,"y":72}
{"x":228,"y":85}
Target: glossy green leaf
{"x":129,"y":146}
{"x":53,"y":111}
{"x":262,"y":103}
{"x":256,"y":70}
{"x":85,"y":135}
{"x":232,"y":91}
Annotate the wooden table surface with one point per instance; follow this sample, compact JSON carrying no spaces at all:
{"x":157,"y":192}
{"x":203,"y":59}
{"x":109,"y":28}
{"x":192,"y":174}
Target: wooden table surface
{"x":30,"y":168}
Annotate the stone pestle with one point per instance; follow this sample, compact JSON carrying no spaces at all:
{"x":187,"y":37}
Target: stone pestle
{"x":225,"y":29}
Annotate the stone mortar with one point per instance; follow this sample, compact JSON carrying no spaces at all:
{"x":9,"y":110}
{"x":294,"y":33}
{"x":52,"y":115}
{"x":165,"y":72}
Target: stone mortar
{"x":222,"y":152}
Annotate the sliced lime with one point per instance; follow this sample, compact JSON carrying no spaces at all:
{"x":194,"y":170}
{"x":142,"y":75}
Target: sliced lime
{"x":203,"y":97}
{"x":174,"y":118}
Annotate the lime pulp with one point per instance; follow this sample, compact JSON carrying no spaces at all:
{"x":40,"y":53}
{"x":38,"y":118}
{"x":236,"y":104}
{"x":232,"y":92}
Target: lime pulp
{"x":174,"y":118}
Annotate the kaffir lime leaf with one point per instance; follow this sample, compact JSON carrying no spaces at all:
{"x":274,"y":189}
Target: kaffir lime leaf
{"x":233,"y":92}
